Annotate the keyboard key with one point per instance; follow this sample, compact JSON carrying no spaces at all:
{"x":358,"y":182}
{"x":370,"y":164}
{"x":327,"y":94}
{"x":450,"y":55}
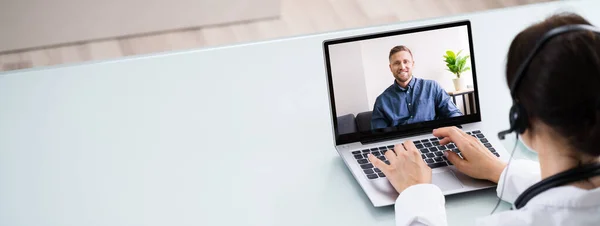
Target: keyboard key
{"x":430,"y":155}
{"x":365,"y":155}
{"x":483,"y":140}
{"x":363,"y":161}
{"x":476,"y":131}
{"x":366,"y":150}
{"x":444,"y":158}
{"x":451,"y":146}
{"x":387,"y":162}
{"x":425,"y":141}
{"x":456,"y":151}
{"x":492,"y":150}
{"x":439,"y":153}
{"x":424,"y":150}
{"x":382,"y":148}
{"x":437,"y":164}
{"x":480,"y":136}
{"x":438,"y":159}
{"x":358,"y":156}
{"x":377,"y":170}
{"x":496,"y":154}
{"x":441,"y":148}
{"x":423,"y":156}
{"x":469,"y":133}
{"x":356,"y":152}
{"x":382,"y":158}
{"x":473,"y":135}
{"x":433,"y":139}
{"x":429,"y":160}
{"x":419,"y":146}
{"x":433,"y":149}
{"x":417,"y":142}
{"x":372,"y":176}
{"x":384,"y":151}
{"x":428,"y":144}
{"x":487,"y":145}
{"x":436,"y":143}
{"x":381,"y":174}
{"x":368,"y":171}
{"x":366,"y":166}
{"x":376,"y":153}
{"x":390,"y":146}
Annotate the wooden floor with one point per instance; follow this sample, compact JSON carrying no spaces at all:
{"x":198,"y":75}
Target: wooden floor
{"x":298,"y":17}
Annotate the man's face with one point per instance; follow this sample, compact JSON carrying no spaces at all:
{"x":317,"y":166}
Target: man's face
{"x":401,"y":65}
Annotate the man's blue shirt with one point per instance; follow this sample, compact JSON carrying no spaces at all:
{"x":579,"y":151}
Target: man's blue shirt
{"x":422,"y":100}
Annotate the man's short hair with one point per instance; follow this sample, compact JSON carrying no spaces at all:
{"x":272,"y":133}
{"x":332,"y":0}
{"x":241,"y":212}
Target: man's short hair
{"x":398,"y":49}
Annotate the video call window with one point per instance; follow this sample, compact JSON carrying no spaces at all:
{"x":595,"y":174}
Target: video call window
{"x":399,"y":80}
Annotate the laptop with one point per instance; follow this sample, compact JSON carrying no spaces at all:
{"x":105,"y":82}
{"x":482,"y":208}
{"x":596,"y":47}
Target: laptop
{"x":385,"y":88}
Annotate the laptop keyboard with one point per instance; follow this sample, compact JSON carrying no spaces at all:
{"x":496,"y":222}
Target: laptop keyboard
{"x":431,"y":152}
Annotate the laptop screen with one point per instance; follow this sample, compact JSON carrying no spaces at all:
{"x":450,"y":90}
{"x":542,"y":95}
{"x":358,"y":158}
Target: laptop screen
{"x":401,"y":83}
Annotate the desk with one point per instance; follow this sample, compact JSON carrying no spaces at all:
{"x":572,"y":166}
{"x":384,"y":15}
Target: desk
{"x":236,"y":135}
{"x":463,"y":93}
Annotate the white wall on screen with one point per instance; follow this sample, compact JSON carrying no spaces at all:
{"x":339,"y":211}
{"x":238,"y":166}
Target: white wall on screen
{"x":348,"y":79}
{"x":427,"y":48}
{"x":360,"y":70}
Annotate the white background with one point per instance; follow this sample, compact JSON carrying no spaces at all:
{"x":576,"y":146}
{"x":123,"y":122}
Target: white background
{"x":360,"y":70}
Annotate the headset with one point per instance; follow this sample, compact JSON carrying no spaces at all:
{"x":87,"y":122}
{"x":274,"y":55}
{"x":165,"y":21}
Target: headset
{"x":519,"y":121}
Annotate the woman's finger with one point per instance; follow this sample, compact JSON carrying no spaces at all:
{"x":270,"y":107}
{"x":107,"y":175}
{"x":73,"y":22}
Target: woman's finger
{"x":391,"y":155}
{"x":399,"y":147}
{"x":445,"y":140}
{"x":455,"y":159}
{"x":471,"y":147}
{"x":447,"y":132}
{"x":412,"y":149}
{"x":401,"y":152}
{"x":379,"y":164}
{"x":454,"y":134}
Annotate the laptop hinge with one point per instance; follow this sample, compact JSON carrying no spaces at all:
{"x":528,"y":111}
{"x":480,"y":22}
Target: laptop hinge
{"x":407,"y":134}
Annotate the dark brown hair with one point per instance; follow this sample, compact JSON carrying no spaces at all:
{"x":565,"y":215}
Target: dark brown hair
{"x":561,"y":86}
{"x":398,"y":49}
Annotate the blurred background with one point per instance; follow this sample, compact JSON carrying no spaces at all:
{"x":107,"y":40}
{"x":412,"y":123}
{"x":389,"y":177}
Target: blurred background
{"x":51,"y":32}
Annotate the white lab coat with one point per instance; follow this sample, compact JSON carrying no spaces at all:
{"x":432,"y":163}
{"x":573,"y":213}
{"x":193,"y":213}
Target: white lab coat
{"x":423,"y":204}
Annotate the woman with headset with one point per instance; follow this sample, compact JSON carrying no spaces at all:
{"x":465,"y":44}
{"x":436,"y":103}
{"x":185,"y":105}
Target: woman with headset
{"x":553,"y":72}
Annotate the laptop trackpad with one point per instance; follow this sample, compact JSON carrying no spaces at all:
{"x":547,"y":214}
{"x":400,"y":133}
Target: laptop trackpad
{"x":446,"y":181}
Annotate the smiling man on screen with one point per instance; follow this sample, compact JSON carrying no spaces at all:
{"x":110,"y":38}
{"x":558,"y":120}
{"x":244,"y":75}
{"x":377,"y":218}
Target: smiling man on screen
{"x":409,"y":99}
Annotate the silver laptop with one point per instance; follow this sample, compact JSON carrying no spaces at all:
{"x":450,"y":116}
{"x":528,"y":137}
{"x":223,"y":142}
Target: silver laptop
{"x":389,"y":87}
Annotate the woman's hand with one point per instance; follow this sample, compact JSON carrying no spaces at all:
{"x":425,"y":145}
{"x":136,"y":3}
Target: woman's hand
{"x":406,"y":166}
{"x":478,"y":162}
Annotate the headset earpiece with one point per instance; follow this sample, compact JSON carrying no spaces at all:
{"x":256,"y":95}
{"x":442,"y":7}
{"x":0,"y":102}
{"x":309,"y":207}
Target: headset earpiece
{"x":518,"y":118}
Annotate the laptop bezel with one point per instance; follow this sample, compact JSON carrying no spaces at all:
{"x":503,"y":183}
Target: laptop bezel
{"x":405,"y":130}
